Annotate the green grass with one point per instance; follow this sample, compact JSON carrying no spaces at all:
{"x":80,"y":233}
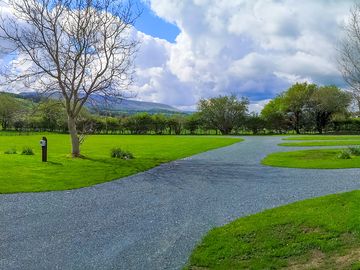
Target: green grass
{"x":311,"y":159}
{"x":322,"y":137}
{"x":321,"y":233}
{"x":20,"y":173}
{"x":321,"y":143}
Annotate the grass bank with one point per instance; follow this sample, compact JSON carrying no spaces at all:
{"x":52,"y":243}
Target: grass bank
{"x":321,"y":143}
{"x":321,"y":233}
{"x":311,"y":159}
{"x":28,"y":174}
{"x":322,"y":137}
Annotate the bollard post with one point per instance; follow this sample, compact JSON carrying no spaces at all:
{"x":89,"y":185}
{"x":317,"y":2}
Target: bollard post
{"x":43,"y":144}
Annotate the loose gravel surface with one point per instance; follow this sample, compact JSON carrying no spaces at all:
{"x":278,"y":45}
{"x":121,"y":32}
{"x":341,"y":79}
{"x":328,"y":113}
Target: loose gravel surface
{"x":153,"y":220}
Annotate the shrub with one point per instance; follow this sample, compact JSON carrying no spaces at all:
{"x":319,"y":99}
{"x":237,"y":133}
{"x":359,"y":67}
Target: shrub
{"x":27,"y":151}
{"x":344,"y":154}
{"x":355,"y":151}
{"x":11,"y":151}
{"x":119,"y":153}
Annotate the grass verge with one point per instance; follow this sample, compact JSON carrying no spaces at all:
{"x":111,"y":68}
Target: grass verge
{"x":321,"y":143}
{"x":19,"y":173}
{"x":311,"y":159}
{"x":322,"y":137}
{"x":321,"y":233}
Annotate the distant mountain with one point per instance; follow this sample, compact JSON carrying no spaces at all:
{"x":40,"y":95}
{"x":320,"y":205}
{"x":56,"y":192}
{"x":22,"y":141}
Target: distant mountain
{"x":127,"y":105}
{"x":118,"y":106}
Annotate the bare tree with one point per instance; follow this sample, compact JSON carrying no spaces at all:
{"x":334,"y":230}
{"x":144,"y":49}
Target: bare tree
{"x":74,"y":49}
{"x":349,"y":53}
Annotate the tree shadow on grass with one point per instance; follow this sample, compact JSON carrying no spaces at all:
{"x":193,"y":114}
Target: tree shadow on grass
{"x":55,"y":163}
{"x":105,"y":160}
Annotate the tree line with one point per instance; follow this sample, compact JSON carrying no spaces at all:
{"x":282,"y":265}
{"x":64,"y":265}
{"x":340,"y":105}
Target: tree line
{"x":303,"y":108}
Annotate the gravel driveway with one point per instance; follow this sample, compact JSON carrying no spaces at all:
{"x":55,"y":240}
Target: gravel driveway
{"x":153,"y":220}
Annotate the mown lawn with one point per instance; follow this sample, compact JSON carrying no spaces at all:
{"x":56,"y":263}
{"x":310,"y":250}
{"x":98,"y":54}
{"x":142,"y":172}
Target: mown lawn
{"x":311,"y":159}
{"x":321,"y":233}
{"x":321,"y":143}
{"x":20,"y":173}
{"x":322,"y":137}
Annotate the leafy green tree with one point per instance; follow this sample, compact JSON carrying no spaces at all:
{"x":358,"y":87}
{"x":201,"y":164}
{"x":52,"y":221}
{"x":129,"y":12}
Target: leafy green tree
{"x":192,"y":122}
{"x":51,"y":112}
{"x":327,"y":101}
{"x":274,"y":115}
{"x":9,"y":109}
{"x":159,"y":123}
{"x":34,"y":122}
{"x":255,"y":123}
{"x":139,"y":123}
{"x":112,"y":124}
{"x":175,"y":124}
{"x":224,"y":112}
{"x":296,"y":99}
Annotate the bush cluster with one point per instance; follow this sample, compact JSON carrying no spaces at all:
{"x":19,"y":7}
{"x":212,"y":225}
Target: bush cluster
{"x":344,"y":154}
{"x":27,"y":151}
{"x":120,"y":153}
{"x":355,"y":151}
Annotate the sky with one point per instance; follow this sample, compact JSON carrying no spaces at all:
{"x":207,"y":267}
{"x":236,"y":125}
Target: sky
{"x":193,"y":49}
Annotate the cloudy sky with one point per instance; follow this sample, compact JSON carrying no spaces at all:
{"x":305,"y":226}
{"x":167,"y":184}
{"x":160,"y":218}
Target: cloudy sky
{"x":192,"y":49}
{"x":256,"y":48}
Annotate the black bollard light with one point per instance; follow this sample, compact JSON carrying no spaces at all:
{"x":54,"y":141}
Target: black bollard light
{"x":43,"y":144}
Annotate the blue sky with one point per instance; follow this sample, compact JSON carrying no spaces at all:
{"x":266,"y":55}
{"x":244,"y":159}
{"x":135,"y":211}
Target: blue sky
{"x":153,"y":25}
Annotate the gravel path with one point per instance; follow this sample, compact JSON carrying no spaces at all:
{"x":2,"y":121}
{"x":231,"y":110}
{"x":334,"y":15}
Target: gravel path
{"x":154,"y":219}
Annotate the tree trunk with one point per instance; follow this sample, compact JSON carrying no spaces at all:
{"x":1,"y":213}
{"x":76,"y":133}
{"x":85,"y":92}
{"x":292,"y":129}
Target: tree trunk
{"x":225,"y":131}
{"x":297,"y":123}
{"x":320,"y":130}
{"x":75,"y":144}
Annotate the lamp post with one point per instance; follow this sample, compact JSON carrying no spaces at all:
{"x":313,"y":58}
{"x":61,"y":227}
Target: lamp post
{"x":43,"y":144}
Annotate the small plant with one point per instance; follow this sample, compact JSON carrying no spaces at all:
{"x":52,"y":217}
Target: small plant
{"x":355,"y":151}
{"x":27,"y":151}
{"x":11,"y":151}
{"x":344,"y":154}
{"x":119,"y":153}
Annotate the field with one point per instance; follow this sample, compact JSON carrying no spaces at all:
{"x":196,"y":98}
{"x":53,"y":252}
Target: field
{"x":321,"y":233}
{"x":20,"y":173}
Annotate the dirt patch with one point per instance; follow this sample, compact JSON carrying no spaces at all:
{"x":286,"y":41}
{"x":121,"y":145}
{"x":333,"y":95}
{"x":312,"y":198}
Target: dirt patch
{"x":316,"y":261}
{"x":351,"y":257}
{"x":305,"y":229}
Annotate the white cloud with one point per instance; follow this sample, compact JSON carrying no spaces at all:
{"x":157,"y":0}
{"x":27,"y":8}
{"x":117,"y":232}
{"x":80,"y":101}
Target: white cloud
{"x":248,"y":47}
{"x":256,"y":107}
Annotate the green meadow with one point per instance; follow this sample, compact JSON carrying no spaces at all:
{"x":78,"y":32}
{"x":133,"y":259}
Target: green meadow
{"x":21,"y":173}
